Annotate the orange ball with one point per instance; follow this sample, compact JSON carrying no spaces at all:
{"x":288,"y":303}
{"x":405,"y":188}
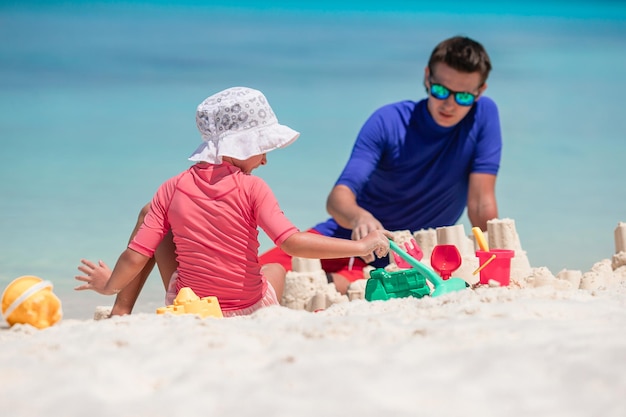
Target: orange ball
{"x":30,"y":300}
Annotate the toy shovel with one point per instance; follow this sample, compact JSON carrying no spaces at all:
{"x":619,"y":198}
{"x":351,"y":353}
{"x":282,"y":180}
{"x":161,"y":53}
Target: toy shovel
{"x":413,"y":249}
{"x":441,"y":286}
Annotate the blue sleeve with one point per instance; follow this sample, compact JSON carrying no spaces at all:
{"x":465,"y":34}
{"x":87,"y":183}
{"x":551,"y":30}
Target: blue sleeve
{"x":489,"y":138}
{"x":366,"y":153}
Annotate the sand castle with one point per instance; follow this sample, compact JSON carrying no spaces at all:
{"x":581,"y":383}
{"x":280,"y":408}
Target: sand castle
{"x":307,"y":287}
{"x":604,"y":274}
{"x":501,"y":234}
{"x":619,"y":259}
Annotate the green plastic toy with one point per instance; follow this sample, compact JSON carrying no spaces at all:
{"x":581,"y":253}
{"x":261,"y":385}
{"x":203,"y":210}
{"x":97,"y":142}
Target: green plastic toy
{"x":384,"y":285}
{"x":440,"y":286}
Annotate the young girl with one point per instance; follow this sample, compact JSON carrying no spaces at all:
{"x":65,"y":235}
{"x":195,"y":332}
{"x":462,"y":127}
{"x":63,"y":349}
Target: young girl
{"x":213,"y":210}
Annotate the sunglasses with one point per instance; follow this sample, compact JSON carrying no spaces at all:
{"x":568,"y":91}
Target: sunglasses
{"x":462,"y":98}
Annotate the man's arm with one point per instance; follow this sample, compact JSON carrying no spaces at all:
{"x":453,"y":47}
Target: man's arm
{"x":481,"y":199}
{"x":342,"y":205}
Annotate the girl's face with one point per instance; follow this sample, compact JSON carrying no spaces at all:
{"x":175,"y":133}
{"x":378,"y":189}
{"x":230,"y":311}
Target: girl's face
{"x":248,"y":165}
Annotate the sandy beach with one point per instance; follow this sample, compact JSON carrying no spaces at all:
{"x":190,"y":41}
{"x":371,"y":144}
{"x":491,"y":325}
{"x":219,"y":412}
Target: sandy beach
{"x":486,"y":352}
{"x":97,"y":110}
{"x":537,"y":347}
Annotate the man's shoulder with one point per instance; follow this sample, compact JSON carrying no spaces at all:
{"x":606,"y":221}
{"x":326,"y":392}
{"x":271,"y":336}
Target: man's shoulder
{"x":486,"y":110}
{"x":486,"y":103}
{"x":397,"y":110}
{"x":406,"y":105}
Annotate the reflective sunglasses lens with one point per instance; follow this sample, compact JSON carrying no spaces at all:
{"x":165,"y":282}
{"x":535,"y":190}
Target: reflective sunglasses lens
{"x":439,"y":91}
{"x":464,"y":99}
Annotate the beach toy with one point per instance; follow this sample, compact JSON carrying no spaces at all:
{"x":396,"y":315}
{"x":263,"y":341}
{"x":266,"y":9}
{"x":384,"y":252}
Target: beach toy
{"x":383,"y":285}
{"x":487,"y":262}
{"x":412,"y":249}
{"x":440,"y":286}
{"x":495,"y":265}
{"x":480,"y":239}
{"x":445,"y":259}
{"x":187,"y":302}
{"x":30,"y":300}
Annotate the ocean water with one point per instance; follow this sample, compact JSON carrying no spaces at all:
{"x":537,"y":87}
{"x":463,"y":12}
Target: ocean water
{"x":97,"y":109}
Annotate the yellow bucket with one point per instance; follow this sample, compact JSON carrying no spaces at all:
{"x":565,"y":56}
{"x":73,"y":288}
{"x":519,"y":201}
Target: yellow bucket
{"x":30,"y":300}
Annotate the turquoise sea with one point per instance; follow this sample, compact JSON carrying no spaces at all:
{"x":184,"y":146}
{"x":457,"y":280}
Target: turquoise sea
{"x":97,"y":109}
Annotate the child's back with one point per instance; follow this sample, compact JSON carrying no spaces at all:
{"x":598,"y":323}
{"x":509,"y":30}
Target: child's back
{"x":214,"y":211}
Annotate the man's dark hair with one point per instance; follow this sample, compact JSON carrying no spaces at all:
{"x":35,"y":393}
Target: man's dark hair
{"x":462,"y":54}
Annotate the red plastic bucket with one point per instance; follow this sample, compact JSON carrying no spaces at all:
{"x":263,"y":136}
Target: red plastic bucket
{"x":498,"y":269}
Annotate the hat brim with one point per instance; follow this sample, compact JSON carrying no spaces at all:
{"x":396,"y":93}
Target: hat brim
{"x":243,"y":145}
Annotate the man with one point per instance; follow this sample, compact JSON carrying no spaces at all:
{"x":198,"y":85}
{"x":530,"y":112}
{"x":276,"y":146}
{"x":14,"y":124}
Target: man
{"x":417,"y":165}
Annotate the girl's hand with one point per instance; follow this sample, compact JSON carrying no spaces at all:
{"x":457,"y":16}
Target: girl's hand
{"x":95,"y":278}
{"x":377,"y":242}
{"x":362,"y":227}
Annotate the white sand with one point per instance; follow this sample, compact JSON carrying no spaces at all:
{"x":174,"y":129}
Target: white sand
{"x":544,"y":346}
{"x":484,"y":352}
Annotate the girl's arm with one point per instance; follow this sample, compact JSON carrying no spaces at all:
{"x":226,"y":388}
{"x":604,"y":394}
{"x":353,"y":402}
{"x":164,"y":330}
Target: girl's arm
{"x":129,"y":264}
{"x":311,"y":245}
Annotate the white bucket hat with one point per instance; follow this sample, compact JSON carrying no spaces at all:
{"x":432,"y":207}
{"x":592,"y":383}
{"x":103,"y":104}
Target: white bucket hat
{"x":238,"y":122}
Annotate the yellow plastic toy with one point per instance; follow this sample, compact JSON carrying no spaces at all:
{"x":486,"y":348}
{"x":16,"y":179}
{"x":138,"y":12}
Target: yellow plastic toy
{"x":30,"y":300}
{"x":187,"y":302}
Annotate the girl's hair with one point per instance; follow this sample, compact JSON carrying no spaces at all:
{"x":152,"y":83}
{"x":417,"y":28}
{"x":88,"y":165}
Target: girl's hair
{"x":462,"y":54}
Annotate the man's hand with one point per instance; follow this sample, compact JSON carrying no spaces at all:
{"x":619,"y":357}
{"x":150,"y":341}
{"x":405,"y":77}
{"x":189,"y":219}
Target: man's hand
{"x":342,"y":205}
{"x":363,"y":226}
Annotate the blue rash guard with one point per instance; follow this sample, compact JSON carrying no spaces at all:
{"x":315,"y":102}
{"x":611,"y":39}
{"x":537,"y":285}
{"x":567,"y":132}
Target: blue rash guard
{"x":413,"y":174}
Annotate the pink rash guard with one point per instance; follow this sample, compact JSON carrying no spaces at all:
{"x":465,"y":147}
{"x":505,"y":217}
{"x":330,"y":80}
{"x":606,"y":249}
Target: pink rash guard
{"x":213,"y":212}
